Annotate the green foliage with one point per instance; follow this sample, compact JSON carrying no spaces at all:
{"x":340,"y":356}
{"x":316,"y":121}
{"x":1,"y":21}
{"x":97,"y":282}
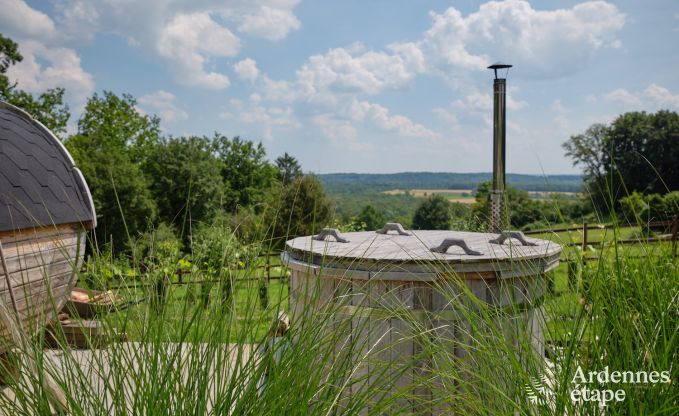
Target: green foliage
{"x":527,"y":213}
{"x":301,"y":208}
{"x":245,"y":170}
{"x":48,"y":107}
{"x":115,"y":125}
{"x":369,"y":219}
{"x":637,"y":152}
{"x":9,"y":55}
{"x":342,"y":183}
{"x":162,"y":253}
{"x":107,"y":150}
{"x":288,"y":168}
{"x":186,"y":180}
{"x":637,"y":207}
{"x":217,"y":253}
{"x":432,"y":214}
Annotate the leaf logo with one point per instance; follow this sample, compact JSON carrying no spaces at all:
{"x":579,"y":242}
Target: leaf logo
{"x":537,"y":390}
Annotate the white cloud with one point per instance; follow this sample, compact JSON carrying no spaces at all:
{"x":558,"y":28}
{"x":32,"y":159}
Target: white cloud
{"x":484,"y":102}
{"x":661,"y":96}
{"x":266,"y":118}
{"x":190,"y":36}
{"x":269,"y":23}
{"x":342,"y":133}
{"x":354,"y":71}
{"x":163,"y":104}
{"x":277,"y":90}
{"x":246,"y":69}
{"x":560,"y":119}
{"x":653,"y":97}
{"x":19,"y":20}
{"x":46,"y":67}
{"x":448,"y":116}
{"x":189,"y":40}
{"x":543,"y":43}
{"x":622,"y":96}
{"x":383,"y":120}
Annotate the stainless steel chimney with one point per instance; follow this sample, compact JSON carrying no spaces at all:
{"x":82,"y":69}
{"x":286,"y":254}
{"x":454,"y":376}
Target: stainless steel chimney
{"x":498,"y":213}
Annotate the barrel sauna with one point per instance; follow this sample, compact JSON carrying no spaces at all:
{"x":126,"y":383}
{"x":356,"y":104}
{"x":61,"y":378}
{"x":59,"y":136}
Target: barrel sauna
{"x":367,"y":274}
{"x":45,"y":210}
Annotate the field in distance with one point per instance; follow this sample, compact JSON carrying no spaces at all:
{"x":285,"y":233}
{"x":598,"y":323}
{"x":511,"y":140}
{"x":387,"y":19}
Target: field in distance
{"x":468,"y":196}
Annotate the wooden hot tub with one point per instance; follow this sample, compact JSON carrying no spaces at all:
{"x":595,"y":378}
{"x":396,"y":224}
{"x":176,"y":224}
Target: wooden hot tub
{"x":45,"y":210}
{"x":369,"y":273}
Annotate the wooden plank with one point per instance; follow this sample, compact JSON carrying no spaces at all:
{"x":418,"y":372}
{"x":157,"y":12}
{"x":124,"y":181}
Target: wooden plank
{"x":379,"y":338}
{"x":41,"y":259}
{"x":25,"y":277}
{"x":33,"y":234}
{"x":422,"y":301}
{"x":13,"y":250}
{"x":360,"y":333}
{"x":401,"y":342}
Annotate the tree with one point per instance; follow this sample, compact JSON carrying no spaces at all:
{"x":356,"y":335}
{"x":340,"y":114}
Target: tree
{"x":186,"y":182}
{"x":117,"y":125}
{"x":301,"y":208}
{"x":288,"y":168}
{"x":125,"y":207}
{"x":432,"y":214}
{"x":48,"y":107}
{"x":111,"y":142}
{"x":369,"y":218}
{"x":637,"y":152}
{"x":245,"y":171}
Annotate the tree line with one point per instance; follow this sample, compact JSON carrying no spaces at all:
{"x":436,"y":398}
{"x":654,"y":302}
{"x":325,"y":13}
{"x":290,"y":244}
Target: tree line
{"x":142,"y":180}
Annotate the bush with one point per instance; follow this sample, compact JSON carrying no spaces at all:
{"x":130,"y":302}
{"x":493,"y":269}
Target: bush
{"x":432,"y":214}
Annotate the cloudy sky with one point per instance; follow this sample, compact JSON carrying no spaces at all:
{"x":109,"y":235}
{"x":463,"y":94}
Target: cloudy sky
{"x":364,"y":85}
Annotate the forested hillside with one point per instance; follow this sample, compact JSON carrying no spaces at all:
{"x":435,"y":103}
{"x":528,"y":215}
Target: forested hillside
{"x":360,"y":182}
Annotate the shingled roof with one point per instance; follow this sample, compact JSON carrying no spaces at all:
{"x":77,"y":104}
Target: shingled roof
{"x":39,"y":183}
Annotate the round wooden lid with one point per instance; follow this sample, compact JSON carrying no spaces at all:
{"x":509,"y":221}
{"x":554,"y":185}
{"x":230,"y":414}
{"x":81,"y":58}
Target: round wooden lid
{"x":449,"y":247}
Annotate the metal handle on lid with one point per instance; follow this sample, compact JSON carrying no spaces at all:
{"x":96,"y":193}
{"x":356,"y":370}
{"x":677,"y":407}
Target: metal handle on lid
{"x":330,"y":232}
{"x":392,"y":226}
{"x":512,"y":234}
{"x":449,"y":242}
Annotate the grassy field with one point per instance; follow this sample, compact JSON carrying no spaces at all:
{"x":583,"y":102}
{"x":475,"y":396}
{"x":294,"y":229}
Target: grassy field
{"x":467,"y":196}
{"x":619,"y":312}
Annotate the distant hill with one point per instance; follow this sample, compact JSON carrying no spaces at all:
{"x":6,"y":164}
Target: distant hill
{"x":357,"y":182}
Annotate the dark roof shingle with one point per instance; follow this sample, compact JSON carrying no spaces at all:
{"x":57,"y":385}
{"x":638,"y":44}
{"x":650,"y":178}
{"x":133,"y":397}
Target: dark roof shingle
{"x":39,"y":183}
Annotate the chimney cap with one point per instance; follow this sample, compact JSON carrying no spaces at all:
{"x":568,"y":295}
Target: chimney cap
{"x":499,"y":65}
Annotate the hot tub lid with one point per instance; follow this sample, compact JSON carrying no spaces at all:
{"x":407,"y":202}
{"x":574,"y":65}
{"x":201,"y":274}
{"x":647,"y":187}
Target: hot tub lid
{"x":424,"y":248}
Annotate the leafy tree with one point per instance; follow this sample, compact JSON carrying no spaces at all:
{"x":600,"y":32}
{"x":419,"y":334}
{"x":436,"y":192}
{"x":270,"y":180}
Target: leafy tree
{"x":369,"y":219}
{"x":637,"y":152}
{"x":108,"y":148}
{"x":432,"y":214}
{"x":643,"y":152}
{"x":118,"y":126}
{"x":48,"y":107}
{"x":288,"y":168}
{"x":124,"y":204}
{"x":301,"y":208}
{"x":245,"y":171}
{"x":185,"y":180}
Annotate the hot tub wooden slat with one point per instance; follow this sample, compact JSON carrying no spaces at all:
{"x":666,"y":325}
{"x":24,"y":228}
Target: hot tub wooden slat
{"x":42,"y":265}
{"x":390,"y":273}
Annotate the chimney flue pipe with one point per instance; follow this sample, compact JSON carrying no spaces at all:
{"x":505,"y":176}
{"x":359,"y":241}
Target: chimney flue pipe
{"x":498,"y":213}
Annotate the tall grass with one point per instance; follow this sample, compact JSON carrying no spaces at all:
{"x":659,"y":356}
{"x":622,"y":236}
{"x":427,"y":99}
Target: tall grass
{"x":194,"y":357}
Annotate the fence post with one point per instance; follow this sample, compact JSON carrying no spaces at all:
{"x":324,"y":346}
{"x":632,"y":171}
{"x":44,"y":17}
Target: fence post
{"x":675,"y":229}
{"x":584,"y":236}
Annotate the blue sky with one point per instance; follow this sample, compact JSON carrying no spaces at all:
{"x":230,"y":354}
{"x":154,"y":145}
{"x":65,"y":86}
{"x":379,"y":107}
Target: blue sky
{"x":360,"y":86}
